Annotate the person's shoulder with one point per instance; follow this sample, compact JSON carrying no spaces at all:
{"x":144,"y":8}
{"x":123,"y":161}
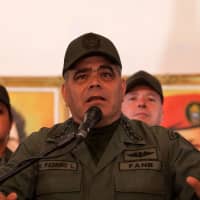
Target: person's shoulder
{"x":44,"y":133}
{"x":45,"y":137}
{"x":158,"y":132}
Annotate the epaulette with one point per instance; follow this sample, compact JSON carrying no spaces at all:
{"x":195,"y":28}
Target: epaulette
{"x":173,"y":135}
{"x":59,"y":131}
{"x":128,"y":127}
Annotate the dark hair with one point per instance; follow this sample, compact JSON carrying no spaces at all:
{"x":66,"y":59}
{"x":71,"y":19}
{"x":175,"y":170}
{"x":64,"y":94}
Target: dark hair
{"x":4,"y":98}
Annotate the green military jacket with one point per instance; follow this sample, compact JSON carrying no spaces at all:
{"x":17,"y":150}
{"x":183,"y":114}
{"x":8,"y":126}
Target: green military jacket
{"x":6,"y":156}
{"x":139,"y":163}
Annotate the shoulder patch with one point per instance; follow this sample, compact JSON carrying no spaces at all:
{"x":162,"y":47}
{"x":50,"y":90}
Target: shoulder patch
{"x":58,"y":165}
{"x":140,"y":154}
{"x":140,"y":165}
{"x":173,"y":135}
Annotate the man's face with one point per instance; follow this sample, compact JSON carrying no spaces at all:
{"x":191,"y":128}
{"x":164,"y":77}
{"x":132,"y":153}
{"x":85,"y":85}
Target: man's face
{"x":5,"y":123}
{"x":94,"y":81}
{"x":144,"y":104}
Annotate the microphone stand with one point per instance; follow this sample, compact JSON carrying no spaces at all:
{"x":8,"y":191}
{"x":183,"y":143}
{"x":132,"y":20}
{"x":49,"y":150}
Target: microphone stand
{"x":26,"y":163}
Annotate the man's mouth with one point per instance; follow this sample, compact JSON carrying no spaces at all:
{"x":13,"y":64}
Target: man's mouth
{"x":141,"y":114}
{"x":95,"y":98}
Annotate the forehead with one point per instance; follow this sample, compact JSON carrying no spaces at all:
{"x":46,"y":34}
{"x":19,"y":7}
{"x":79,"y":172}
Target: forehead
{"x":92,"y":62}
{"x":143,"y":88}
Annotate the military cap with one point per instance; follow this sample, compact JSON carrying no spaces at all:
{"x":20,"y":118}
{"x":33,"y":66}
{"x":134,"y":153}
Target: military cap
{"x":4,"y":98}
{"x":87,"y":45}
{"x":144,"y":78}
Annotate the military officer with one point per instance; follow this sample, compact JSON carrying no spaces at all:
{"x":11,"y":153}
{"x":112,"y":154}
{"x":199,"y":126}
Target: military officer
{"x":118,"y":159}
{"x":144,"y":98}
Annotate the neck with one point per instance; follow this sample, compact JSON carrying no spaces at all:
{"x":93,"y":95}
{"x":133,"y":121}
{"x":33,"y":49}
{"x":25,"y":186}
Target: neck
{"x":106,"y":121}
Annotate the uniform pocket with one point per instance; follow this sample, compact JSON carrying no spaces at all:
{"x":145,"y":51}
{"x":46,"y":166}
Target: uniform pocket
{"x":60,"y":178}
{"x":139,"y":184}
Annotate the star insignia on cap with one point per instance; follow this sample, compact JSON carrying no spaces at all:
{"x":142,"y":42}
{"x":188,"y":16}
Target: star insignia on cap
{"x":90,"y":41}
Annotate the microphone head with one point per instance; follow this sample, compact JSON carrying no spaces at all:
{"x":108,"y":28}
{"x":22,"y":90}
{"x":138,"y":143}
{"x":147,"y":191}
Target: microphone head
{"x":92,"y":116}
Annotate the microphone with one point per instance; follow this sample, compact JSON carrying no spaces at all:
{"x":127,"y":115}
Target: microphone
{"x":92,"y":116}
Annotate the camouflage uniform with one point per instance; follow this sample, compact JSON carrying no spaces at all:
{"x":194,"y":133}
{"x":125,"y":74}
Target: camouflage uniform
{"x":139,"y":163}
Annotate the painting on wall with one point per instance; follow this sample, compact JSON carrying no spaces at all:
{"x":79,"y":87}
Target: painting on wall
{"x":182,"y":105}
{"x":36,"y":103}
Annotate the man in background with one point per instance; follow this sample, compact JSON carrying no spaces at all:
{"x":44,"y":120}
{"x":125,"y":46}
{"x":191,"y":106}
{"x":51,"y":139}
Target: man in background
{"x":6,"y":120}
{"x":144,"y":98}
{"x":144,"y":101}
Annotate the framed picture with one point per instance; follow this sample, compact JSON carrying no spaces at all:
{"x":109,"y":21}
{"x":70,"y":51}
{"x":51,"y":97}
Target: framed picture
{"x":181,"y":100}
{"x":36,"y":102}
{"x":182,"y":105}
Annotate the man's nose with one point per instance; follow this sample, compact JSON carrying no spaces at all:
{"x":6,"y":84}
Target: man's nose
{"x":94,"y":80}
{"x":141,"y":102}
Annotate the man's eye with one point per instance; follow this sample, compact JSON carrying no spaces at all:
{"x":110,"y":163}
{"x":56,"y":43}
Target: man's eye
{"x":80,"y":77}
{"x":133,"y":98}
{"x":107,"y":75}
{"x":152,"y":99}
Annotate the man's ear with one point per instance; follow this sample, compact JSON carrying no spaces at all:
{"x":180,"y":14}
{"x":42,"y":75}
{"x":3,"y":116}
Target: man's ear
{"x":64,"y":93}
{"x":123,"y":86}
{"x":161,"y":114}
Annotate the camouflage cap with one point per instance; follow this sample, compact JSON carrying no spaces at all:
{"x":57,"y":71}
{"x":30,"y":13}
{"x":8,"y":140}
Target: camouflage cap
{"x":87,"y":45}
{"x":4,"y":98}
{"x":144,"y":78}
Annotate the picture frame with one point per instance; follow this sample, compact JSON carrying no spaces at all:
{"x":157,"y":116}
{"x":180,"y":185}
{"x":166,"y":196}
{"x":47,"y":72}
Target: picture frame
{"x":37,"y":101}
{"x":181,"y":100}
{"x":23,"y":89}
